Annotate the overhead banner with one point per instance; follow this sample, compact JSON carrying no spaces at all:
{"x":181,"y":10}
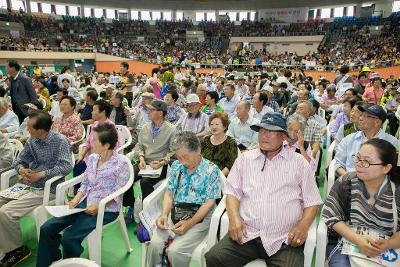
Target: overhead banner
{"x":286,"y":14}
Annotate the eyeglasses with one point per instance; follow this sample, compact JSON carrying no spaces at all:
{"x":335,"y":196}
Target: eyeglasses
{"x":364,"y":163}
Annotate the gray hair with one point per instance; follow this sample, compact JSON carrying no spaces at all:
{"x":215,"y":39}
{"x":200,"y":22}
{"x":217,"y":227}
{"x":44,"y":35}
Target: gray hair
{"x":246,"y":103}
{"x":187,"y":140}
{"x":307,"y":102}
{"x":297,"y":118}
{"x":3,"y":101}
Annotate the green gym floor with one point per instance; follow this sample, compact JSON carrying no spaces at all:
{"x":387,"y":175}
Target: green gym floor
{"x":113,"y":249}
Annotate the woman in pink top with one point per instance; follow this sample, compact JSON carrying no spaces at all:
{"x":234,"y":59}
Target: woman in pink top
{"x":374,"y":93}
{"x":69,"y":124}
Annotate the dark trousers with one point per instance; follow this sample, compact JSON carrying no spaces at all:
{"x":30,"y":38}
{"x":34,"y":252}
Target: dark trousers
{"x":228,"y":253}
{"x":81,"y":224}
{"x":146,"y":186}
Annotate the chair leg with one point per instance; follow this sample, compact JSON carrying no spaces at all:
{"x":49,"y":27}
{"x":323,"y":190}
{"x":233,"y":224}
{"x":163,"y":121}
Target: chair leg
{"x":124,"y":232}
{"x":94,"y":246}
{"x":144,"y":253}
{"x":40,"y":216}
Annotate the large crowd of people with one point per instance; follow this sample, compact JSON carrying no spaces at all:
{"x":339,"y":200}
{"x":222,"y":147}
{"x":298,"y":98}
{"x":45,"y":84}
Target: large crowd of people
{"x":205,"y":127}
{"x":348,"y":41}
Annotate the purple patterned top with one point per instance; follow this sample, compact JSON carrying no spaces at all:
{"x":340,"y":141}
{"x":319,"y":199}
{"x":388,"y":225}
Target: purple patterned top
{"x":100,"y":182}
{"x":341,"y":118}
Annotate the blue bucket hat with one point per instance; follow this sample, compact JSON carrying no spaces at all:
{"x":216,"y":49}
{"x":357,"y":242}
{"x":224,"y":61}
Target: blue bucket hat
{"x":272,"y":121}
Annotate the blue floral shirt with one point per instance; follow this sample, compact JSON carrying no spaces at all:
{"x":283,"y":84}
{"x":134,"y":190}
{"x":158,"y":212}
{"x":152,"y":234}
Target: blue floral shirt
{"x":202,"y":185}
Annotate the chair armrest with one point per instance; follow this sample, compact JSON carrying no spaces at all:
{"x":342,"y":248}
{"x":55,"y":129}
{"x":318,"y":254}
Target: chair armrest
{"x":47,"y":187}
{"x":215,"y":221}
{"x":63,"y":187}
{"x":331,"y":176}
{"x":322,"y":240}
{"x":329,"y":153}
{"x":5,"y":178}
{"x":155,"y":195}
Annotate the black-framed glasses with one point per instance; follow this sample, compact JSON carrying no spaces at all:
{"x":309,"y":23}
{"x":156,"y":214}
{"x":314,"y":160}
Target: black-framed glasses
{"x":364,"y":163}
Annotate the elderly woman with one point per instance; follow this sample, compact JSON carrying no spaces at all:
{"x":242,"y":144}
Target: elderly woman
{"x":296,"y":125}
{"x":329,"y":101}
{"x":69,"y":124}
{"x":174,"y":112}
{"x":190,"y":171}
{"x":6,"y":153}
{"x":220,"y":148}
{"x":107,"y":172}
{"x":365,"y":199}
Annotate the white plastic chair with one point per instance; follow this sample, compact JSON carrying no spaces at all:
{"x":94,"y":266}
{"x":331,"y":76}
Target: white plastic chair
{"x":329,"y":154}
{"x":17,"y":147}
{"x":80,"y":140}
{"x":75,"y":262}
{"x":153,"y":202}
{"x":124,"y":138}
{"x":39,"y":213}
{"x":94,"y":239}
{"x":331,"y":176}
{"x":219,"y":218}
{"x":322,"y":241}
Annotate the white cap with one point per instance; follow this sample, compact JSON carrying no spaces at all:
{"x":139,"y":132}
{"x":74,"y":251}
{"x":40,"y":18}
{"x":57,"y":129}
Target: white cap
{"x":192,"y":98}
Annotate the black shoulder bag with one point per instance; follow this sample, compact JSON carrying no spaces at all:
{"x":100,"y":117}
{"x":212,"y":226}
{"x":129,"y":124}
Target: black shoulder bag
{"x":183,"y":211}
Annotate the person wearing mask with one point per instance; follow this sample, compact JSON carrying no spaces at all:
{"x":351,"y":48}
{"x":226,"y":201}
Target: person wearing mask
{"x":220,"y":148}
{"x":45,"y":155}
{"x":106,"y":173}
{"x":371,"y":121}
{"x":21,"y":90}
{"x":118,"y":115}
{"x":249,"y":201}
{"x":260,"y":108}
{"x":211,"y":104}
{"x":375,"y":182}
{"x":239,"y":127}
{"x":86,"y":113}
{"x":191,"y":170}
{"x":375,"y":92}
{"x":174,"y":111}
{"x":194,"y":120}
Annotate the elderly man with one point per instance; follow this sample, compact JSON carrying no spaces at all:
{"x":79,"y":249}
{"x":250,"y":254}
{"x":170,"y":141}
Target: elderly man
{"x":239,"y":128}
{"x":45,"y":155}
{"x":264,"y":221}
{"x":241,"y":88}
{"x":154,"y":148}
{"x":271,"y":102}
{"x":313,"y":131}
{"x":21,"y":90}
{"x":260,"y":108}
{"x":195,"y":181}
{"x":9,"y":123}
{"x":371,"y":121}
{"x":303,"y":94}
{"x":193,"y":121}
{"x":230,"y":101}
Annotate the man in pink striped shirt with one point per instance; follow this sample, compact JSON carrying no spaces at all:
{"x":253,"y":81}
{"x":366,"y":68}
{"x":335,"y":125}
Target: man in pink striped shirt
{"x":272,"y":200}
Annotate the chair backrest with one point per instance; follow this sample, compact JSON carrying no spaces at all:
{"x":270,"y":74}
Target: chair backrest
{"x":75,"y":262}
{"x":17,"y":147}
{"x":124,"y":137}
{"x":83,"y":136}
